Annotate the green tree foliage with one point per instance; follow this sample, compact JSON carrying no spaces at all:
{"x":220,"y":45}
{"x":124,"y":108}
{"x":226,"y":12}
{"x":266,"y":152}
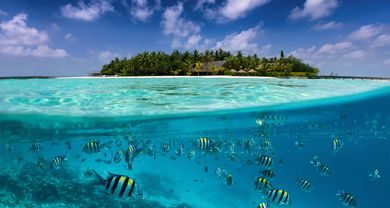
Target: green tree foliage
{"x":191,"y":63}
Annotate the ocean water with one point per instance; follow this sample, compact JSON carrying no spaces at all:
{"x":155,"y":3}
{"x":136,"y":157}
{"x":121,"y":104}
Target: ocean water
{"x":287,"y":120}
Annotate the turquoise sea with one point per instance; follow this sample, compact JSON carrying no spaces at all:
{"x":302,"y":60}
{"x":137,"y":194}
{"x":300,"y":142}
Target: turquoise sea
{"x":193,"y":142}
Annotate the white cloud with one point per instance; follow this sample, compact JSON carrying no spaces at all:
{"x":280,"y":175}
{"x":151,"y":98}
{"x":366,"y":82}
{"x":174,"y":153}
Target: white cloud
{"x":197,"y":42}
{"x":87,"y":12}
{"x":315,"y":9}
{"x":17,"y":39}
{"x":366,"y":32}
{"x":141,"y":9}
{"x":244,"y":41}
{"x":335,"y":48}
{"x":233,"y":9}
{"x":193,"y":41}
{"x":358,"y":54}
{"x":328,"y":26}
{"x":16,"y":32}
{"x":3,"y":13}
{"x":200,"y":3}
{"x":69,"y":37}
{"x":175,"y":25}
{"x":106,"y":56}
{"x":382,"y":41}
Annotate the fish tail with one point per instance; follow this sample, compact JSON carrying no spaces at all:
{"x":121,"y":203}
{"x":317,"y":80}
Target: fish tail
{"x":98,"y":179}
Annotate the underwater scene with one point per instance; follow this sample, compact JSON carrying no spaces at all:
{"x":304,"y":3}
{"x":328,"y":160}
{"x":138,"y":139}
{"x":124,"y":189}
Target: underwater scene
{"x":194,"y":143}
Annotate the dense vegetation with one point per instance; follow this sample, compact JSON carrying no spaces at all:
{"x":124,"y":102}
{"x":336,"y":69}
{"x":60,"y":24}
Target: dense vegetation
{"x":217,"y":62}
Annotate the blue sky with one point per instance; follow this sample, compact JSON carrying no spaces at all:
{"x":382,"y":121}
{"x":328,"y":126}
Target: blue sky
{"x":74,"y":37}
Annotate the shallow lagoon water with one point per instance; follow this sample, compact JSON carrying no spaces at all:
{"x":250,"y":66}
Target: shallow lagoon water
{"x":152,"y":112}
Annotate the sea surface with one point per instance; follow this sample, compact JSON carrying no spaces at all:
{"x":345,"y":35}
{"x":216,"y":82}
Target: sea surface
{"x":194,"y":142}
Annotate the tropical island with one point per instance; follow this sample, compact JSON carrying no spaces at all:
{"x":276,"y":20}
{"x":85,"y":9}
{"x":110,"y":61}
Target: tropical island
{"x":209,"y":62}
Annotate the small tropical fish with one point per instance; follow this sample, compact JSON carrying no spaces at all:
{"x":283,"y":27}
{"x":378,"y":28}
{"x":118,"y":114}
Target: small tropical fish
{"x":268,"y":173}
{"x":304,"y":184}
{"x":204,"y":144}
{"x":279,"y":197}
{"x":262,"y":184}
{"x":118,"y":185}
{"x":263,"y":205}
{"x":229,"y":179}
{"x":191,"y":154}
{"x":299,"y":144}
{"x":374,"y":175}
{"x":35,"y":147}
{"x":315,"y":162}
{"x":265,"y":161}
{"x":117,"y":156}
{"x":165,"y":147}
{"x":347,"y":199}
{"x":57,"y":161}
{"x":337,"y":144}
{"x":324,"y":170}
{"x":248,"y":144}
{"x":180,"y":150}
{"x":92,"y":147}
{"x":266,"y":145}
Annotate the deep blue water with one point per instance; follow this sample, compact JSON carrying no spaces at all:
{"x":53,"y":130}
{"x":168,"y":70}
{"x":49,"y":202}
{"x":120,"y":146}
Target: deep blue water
{"x":360,"y":121}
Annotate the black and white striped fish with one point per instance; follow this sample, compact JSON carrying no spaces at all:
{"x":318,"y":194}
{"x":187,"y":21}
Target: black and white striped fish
{"x":166,"y":147}
{"x":35,"y":147}
{"x":265,"y":161}
{"x":130,"y":154}
{"x":324,"y":170}
{"x":279,"y":197}
{"x":119,"y":185}
{"x":304,"y":184}
{"x":337,"y":144}
{"x":263,"y":205}
{"x":347,"y":199}
{"x":57,"y":161}
{"x":268,"y":173}
{"x":92,"y":147}
{"x":262,"y":184}
{"x":204,"y":144}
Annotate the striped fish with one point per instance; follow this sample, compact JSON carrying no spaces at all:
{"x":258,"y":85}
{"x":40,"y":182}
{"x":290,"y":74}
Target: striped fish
{"x":268,"y":173}
{"x":324,"y":170}
{"x":279,"y":197}
{"x":262,"y":184}
{"x":117,"y":156}
{"x":35,"y":147}
{"x":265,"y":161}
{"x":57,"y":161}
{"x":119,"y":185}
{"x":337,"y":144}
{"x":165,"y":147}
{"x":304,"y":184}
{"x":263,"y":205}
{"x":92,"y":147}
{"x":129,"y":155}
{"x":204,"y":143}
{"x":347,"y":199}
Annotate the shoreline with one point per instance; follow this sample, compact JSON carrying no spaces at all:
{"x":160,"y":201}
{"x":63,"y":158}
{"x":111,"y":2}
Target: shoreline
{"x":163,"y":77}
{"x":192,"y":77}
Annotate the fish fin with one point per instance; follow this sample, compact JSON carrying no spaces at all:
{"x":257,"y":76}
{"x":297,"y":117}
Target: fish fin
{"x":98,"y":178}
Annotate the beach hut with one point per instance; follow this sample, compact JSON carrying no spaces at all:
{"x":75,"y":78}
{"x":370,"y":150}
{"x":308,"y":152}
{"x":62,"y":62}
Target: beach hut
{"x":252,"y":71}
{"x":233,"y":71}
{"x":242,"y":72}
